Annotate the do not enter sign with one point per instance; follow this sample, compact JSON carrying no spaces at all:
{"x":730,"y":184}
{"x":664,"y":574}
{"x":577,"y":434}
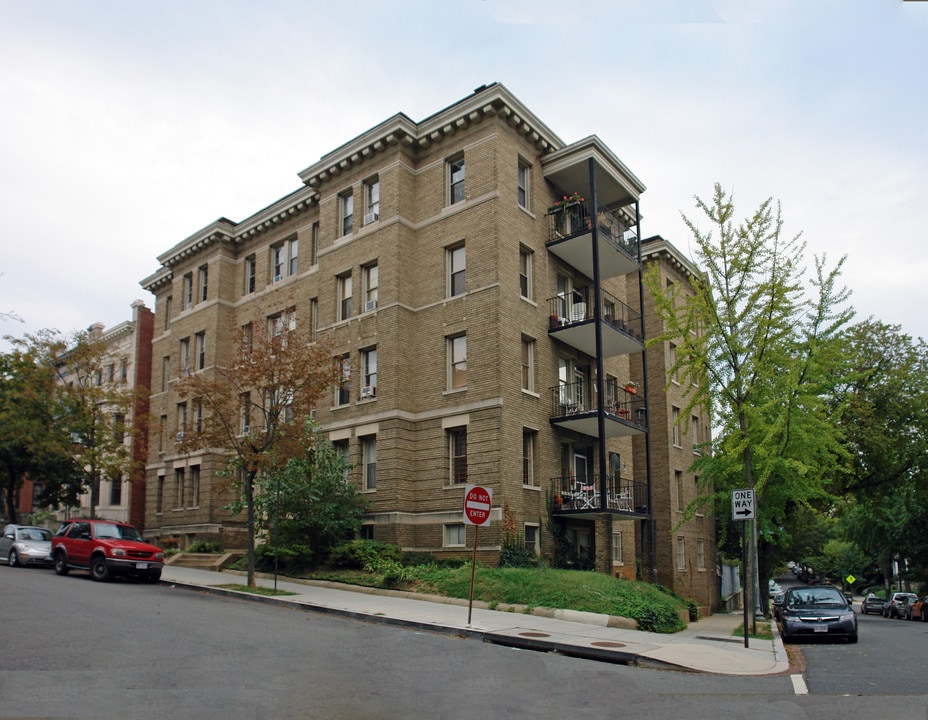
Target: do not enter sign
{"x":477,"y":504}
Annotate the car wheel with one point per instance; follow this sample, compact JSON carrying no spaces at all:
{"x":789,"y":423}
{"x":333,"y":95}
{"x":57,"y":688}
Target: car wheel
{"x":98,"y":569}
{"x":61,"y":564}
{"x":13,"y":559}
{"x":852,"y":638}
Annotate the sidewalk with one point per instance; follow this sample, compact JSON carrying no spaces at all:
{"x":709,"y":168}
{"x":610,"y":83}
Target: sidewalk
{"x":706,"y":646}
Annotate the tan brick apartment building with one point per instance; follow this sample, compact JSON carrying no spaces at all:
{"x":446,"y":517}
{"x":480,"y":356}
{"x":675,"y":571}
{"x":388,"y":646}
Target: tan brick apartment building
{"x":472,"y":321}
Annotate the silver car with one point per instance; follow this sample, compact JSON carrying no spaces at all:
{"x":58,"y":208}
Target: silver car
{"x":26,"y":545}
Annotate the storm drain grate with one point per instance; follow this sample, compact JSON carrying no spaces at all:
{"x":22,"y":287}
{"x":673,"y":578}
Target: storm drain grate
{"x":608,"y":644}
{"x":534,"y":634}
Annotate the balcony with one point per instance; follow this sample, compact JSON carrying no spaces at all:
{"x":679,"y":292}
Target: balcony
{"x":574,"y":407}
{"x":571,"y":321}
{"x":581,"y":496}
{"x":570,"y":232}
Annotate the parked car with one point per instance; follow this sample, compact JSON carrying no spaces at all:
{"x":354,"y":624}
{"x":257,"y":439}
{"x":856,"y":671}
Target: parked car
{"x":916,"y":609}
{"x":107,"y":549}
{"x":872,"y":604}
{"x":817,"y":611}
{"x":26,"y":545}
{"x":777,"y":602}
{"x":895,"y":608}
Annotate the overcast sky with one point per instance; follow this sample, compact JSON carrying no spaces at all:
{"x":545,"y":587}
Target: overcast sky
{"x":127,"y":126}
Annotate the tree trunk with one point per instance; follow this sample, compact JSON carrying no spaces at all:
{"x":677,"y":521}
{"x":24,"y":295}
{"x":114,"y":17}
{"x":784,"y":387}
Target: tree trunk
{"x":250,"y":512}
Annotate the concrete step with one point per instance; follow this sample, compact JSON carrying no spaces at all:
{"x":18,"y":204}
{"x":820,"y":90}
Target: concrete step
{"x":204,"y":561}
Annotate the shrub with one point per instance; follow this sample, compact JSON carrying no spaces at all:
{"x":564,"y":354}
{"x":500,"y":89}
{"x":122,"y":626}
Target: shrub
{"x":358,"y":553}
{"x":201,"y":546}
{"x":414,"y":559}
{"x":293,"y":558}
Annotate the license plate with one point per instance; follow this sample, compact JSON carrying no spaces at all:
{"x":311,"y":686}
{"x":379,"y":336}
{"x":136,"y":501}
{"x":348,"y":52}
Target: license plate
{"x":144,"y":566}
{"x":820,"y":627}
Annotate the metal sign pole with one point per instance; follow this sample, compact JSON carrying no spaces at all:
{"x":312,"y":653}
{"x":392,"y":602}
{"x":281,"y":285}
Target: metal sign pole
{"x":744,"y":581}
{"x":473,"y":567}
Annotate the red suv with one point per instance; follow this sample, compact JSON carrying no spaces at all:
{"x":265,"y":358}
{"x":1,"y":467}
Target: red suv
{"x":106,"y":548}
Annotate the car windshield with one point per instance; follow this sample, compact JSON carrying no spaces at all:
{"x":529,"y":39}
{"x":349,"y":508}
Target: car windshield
{"x":109,"y":531}
{"x":35,"y":534}
{"x":816,"y":597}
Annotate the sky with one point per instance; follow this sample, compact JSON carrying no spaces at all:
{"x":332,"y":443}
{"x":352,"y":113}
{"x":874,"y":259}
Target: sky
{"x":127,"y":126}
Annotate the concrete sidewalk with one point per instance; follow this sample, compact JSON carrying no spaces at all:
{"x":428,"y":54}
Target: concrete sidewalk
{"x":706,"y":646}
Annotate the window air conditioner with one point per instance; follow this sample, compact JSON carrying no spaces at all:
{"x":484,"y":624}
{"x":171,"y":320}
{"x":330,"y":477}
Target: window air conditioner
{"x":371,"y":217}
{"x":368,"y":391}
{"x":180,"y":437}
{"x":370,"y":305}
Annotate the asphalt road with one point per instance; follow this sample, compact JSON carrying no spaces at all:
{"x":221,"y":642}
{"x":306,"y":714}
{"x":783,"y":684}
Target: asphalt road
{"x":73,"y":648}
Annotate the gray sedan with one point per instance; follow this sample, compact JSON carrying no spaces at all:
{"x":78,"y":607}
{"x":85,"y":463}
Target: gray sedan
{"x":26,"y":545}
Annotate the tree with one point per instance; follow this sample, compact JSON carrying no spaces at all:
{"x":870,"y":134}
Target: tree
{"x":310,"y":501}
{"x":760,"y":350}
{"x":886,"y":431}
{"x":255,"y":404}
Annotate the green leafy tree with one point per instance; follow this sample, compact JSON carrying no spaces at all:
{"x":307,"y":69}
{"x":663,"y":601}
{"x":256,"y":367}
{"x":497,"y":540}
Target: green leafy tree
{"x":309,"y":501}
{"x":756,"y":342}
{"x":255,"y":405}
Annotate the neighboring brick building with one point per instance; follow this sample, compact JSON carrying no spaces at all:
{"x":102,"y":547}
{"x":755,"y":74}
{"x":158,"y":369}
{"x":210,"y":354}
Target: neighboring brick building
{"x":474,"y":307}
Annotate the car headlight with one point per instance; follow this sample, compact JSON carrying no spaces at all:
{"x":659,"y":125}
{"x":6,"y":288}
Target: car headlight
{"x":846,"y":617}
{"x":119,"y":552}
{"x":159,"y":556}
{"x":26,"y":548}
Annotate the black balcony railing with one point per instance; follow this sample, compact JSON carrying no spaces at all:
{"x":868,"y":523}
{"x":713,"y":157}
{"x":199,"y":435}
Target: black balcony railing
{"x":577,"y":307}
{"x":575,"y":218}
{"x":580,"y":398}
{"x":573,"y":494}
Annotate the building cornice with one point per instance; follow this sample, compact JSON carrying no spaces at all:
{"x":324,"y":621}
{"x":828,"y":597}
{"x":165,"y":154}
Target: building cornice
{"x":657,"y":248}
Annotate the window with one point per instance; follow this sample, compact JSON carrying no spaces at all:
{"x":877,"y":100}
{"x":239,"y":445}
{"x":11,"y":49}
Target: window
{"x":525,"y":273}
{"x":681,"y":553}
{"x":532,"y":538}
{"x":528,"y":457}
{"x":457,"y":362}
{"x":369,"y":371}
{"x":700,"y":553}
{"x":200,"y":340}
{"x":280,"y":325}
{"x":456,"y":180}
{"x":673,"y":362}
{"x":178,"y":488}
{"x":162,"y":431}
{"x":344,"y":296}
{"x":245,"y":426}
{"x":678,"y":491}
{"x":198,"y":415}
{"x":248,"y":338}
{"x":181,"y":420}
{"x":528,"y":365}
{"x":341,"y":450}
{"x":343,"y":391}
{"x":188,"y":291}
{"x":617,"y":548}
{"x":185,"y":356}
{"x":116,"y":490}
{"x":369,"y":460}
{"x":314,"y":245}
{"x":159,"y":496}
{"x":165,"y":373}
{"x":284,"y":259}
{"x":675,"y":419}
{"x":371,"y":283}
{"x":168,"y":303}
{"x":457,"y":450}
{"x":371,"y":201}
{"x":695,"y":427}
{"x":346,"y":213}
{"x":523,"y":184}
{"x":313,"y":316}
{"x":194,"y":487}
{"x":457,"y":266}
{"x":251,"y":266}
{"x":202,"y":282}
{"x":455,"y":535}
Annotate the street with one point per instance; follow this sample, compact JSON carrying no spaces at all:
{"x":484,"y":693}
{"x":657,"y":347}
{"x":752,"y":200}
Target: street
{"x":76,"y":648}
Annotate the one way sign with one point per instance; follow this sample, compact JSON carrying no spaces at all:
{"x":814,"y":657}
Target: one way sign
{"x":742,"y":504}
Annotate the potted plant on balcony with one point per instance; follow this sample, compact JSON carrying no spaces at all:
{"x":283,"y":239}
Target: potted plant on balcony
{"x":631,"y":387}
{"x":562,"y":211}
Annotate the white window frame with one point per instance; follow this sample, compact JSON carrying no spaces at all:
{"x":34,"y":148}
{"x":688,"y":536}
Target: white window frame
{"x":534,"y":545}
{"x":371,"y":200}
{"x":678,"y":491}
{"x":200,"y":349}
{"x":371,"y":279}
{"x":700,"y":553}
{"x":345,"y":290}
{"x":346,"y":213}
{"x":675,"y":425}
{"x":456,"y":261}
{"x":526,"y":258}
{"x":251,"y":272}
{"x":369,"y":369}
{"x":528,"y":364}
{"x":457,"y":362}
{"x":188,"y":291}
{"x":185,"y":356}
{"x":369,"y":461}
{"x":524,"y":184}
{"x":529,"y":443}
{"x":454,"y":535}
{"x":455,"y":179}
{"x":681,"y":553}
{"x":202,"y":282}
{"x":617,"y":549}
{"x":343,"y":387}
{"x":457,"y":460}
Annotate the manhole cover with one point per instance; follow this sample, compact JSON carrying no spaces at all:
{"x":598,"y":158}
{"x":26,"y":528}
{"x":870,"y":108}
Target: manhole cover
{"x":534,"y":634}
{"x":607,"y":643}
